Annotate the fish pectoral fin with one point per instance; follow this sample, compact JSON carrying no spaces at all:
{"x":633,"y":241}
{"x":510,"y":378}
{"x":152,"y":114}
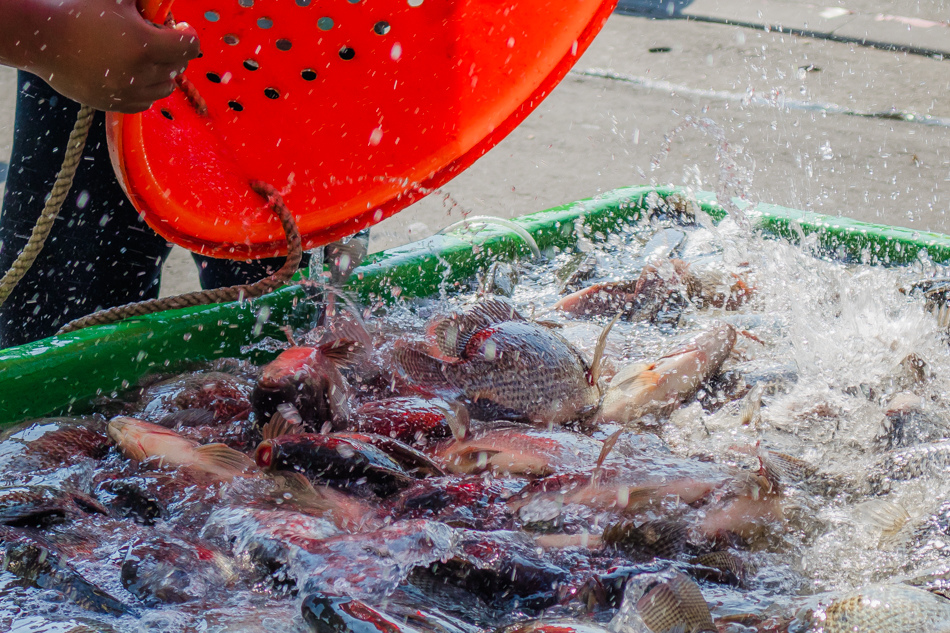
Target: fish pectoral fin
{"x":342,"y":352}
{"x":424,"y":370}
{"x":224,"y":457}
{"x":280,"y":424}
{"x":675,"y":606}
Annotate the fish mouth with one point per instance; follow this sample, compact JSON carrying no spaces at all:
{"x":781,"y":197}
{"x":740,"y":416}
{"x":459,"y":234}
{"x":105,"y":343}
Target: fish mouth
{"x":264,"y":455}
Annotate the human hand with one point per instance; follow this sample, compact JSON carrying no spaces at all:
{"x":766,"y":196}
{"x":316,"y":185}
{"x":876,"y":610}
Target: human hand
{"x":101,"y":53}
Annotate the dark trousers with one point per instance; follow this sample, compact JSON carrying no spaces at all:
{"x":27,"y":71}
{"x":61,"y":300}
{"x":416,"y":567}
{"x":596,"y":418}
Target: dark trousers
{"x":100,"y":253}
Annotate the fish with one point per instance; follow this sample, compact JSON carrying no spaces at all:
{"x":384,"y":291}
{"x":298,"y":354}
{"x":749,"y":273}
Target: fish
{"x":151,"y":443}
{"x":663,"y":538}
{"x":660,"y":285}
{"x":412,"y":420}
{"x":884,"y":608}
{"x":225,"y":395}
{"x":308,"y":378}
{"x":676,"y":605}
{"x":554,"y":625}
{"x":522,"y":451}
{"x":40,"y":506}
{"x":474,"y":502}
{"x":498,"y":567}
{"x":33,"y":560}
{"x":657,"y":387}
{"x":335,"y":460}
{"x":49,"y":443}
{"x":413,"y":461}
{"x":326,"y":613}
{"x":168,"y":570}
{"x":922,"y":460}
{"x":503,"y":367}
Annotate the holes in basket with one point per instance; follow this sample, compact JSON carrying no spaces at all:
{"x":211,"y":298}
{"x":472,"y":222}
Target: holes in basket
{"x":347,"y":53}
{"x":284,"y":44}
{"x":212,"y":16}
{"x":308,"y":74}
{"x":325,"y":24}
{"x":303,"y":3}
{"x":167,"y":114}
{"x":382,"y":27}
{"x":214,"y":78}
{"x":247,"y":4}
{"x":265,"y":23}
{"x":271,"y":93}
{"x":415,"y":3}
{"x":236,"y":106}
{"x":231,"y":39}
{"x":251,"y":65}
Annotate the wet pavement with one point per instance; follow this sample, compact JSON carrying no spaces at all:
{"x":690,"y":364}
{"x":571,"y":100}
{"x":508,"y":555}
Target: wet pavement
{"x":822,"y":122}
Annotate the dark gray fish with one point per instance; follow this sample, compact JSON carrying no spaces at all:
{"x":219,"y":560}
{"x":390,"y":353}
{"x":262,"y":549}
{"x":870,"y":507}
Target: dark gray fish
{"x":308,"y":378}
{"x":412,"y":460}
{"x":33,"y":560}
{"x":660,"y":538}
{"x":503,"y":367}
{"x":332,"y":459}
{"x":40,"y":506}
{"x":326,"y":613}
{"x":923,"y":460}
{"x":163,"y":569}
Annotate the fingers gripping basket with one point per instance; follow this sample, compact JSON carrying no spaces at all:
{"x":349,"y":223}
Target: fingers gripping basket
{"x":352,"y":109}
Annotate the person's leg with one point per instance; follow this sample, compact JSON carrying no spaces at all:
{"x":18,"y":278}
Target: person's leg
{"x":218,"y":273}
{"x":99,"y":254}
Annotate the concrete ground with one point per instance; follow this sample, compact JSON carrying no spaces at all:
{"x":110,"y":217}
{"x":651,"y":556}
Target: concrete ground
{"x":821,"y":124}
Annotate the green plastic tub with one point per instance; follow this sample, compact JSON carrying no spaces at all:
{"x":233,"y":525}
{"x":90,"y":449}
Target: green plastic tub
{"x":63,"y":373}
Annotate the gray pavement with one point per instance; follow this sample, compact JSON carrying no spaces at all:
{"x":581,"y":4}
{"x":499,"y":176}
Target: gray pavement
{"x":822,"y":125}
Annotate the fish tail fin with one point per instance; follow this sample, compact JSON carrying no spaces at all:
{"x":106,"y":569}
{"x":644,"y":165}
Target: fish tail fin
{"x":226,"y":458}
{"x":424,"y":370}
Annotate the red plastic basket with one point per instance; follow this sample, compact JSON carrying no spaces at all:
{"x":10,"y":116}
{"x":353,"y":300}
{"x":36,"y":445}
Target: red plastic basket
{"x":353,"y":109}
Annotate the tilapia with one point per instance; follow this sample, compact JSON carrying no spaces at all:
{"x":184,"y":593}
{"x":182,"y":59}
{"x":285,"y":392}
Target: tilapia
{"x":332,"y":459}
{"x":224,"y":395}
{"x":146,"y":442}
{"x":412,"y":420}
{"x":39,"y":506}
{"x":308,"y":378}
{"x":29,"y":557}
{"x":520,"y":451}
{"x":658,"y":387}
{"x":326,"y":613}
{"x":53,"y":443}
{"x":887,"y":608}
{"x":503,"y":366}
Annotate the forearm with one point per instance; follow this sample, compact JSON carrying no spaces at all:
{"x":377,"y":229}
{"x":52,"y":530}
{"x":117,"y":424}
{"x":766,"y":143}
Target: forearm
{"x":27,"y":28}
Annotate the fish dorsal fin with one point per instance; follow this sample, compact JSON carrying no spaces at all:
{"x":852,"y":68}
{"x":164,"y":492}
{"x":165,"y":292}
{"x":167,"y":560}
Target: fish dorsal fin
{"x":694,"y":607}
{"x":597,"y":364}
{"x":424,"y":370}
{"x":222,"y":458}
{"x":286,"y":421}
{"x":452,"y":332}
{"x":660,"y":610}
{"x":675,"y":605}
{"x":187,"y":418}
{"x":885,"y":515}
{"x":342,"y":352}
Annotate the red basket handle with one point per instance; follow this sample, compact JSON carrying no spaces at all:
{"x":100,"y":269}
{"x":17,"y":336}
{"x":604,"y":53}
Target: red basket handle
{"x":155,"y":10}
